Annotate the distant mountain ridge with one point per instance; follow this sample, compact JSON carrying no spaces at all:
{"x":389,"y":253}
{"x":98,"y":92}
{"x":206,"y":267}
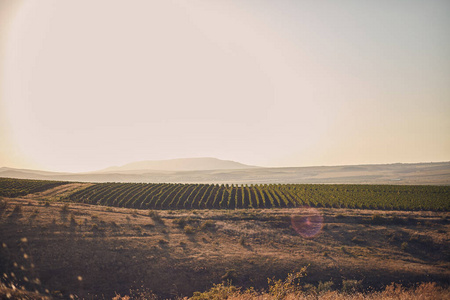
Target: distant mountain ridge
{"x":180,"y":164}
{"x":408,"y":174}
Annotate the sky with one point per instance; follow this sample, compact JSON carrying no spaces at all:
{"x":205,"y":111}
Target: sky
{"x":89,"y":84}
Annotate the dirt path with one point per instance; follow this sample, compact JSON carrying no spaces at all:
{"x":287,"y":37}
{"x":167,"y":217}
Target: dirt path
{"x":59,"y":191}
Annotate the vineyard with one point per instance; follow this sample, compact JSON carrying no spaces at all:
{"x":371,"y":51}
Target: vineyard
{"x":189,"y":196}
{"x":19,"y":187}
{"x":197,"y":196}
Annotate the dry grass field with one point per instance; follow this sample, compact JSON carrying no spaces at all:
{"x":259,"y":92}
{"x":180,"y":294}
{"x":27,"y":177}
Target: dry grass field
{"x":59,"y":250}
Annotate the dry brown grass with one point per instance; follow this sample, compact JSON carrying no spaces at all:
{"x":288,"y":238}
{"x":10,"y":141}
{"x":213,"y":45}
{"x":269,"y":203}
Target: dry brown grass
{"x":423,"y":291}
{"x":115,"y":251}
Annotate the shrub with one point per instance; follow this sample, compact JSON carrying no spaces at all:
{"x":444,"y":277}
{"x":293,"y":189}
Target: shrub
{"x":351,"y":286}
{"x":65,"y":208}
{"x":209,"y":224}
{"x":229,"y":276}
{"x":404,"y":246}
{"x":155,"y":216}
{"x":217,"y":292}
{"x":3,"y":204}
{"x":149,"y":225}
{"x":188,"y":229}
{"x":17,"y":209}
{"x":289,"y":286}
{"x":180,"y":222}
{"x":325,"y":286}
{"x":73,"y":221}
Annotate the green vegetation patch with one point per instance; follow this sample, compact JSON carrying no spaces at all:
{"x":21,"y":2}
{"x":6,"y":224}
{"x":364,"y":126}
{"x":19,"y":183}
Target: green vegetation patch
{"x":198,"y":196}
{"x":10,"y":187}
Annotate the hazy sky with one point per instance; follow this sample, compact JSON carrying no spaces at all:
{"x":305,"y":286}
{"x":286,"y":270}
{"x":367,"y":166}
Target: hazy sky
{"x":89,"y":84}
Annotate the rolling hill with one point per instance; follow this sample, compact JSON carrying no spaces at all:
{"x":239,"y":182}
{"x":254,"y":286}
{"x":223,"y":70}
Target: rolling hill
{"x":207,"y":170}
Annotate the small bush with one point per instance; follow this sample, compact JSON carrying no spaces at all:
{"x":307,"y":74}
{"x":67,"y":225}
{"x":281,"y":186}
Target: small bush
{"x":209,"y":224}
{"x":17,"y":209}
{"x":47,"y":204}
{"x":325,"y":286}
{"x":351,"y":286}
{"x":229,"y":276}
{"x":404,"y":246}
{"x":155,"y":216}
{"x":188,"y":229}
{"x":289,"y":286}
{"x":218,"y":291}
{"x":73,"y":221}
{"x":149,"y":226}
{"x":180,"y":222}
{"x":3,"y":204}
{"x":65,"y":208}
{"x":95,"y":228}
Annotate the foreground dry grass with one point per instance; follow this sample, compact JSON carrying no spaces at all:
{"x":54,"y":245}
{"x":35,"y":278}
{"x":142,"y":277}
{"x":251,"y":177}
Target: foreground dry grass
{"x":425,"y":291}
{"x":62,"y":249}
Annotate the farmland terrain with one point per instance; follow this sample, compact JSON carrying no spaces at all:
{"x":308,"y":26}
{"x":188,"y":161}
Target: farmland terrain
{"x":65,"y":248}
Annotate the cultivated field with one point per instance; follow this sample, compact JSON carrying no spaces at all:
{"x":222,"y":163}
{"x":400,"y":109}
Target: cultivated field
{"x":57,"y":248}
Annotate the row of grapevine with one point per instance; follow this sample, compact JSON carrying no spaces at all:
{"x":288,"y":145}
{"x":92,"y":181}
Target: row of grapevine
{"x":188,"y":196}
{"x":10,"y":187}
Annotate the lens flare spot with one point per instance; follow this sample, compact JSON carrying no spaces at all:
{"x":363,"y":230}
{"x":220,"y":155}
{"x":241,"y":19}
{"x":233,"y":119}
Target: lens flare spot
{"x":307,"y":222}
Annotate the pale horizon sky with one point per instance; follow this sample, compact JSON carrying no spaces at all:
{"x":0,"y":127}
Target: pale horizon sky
{"x":85,"y":85}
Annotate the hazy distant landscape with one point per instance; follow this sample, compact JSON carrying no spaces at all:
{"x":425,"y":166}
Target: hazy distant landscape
{"x":210,"y":170}
{"x":225,"y":150}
